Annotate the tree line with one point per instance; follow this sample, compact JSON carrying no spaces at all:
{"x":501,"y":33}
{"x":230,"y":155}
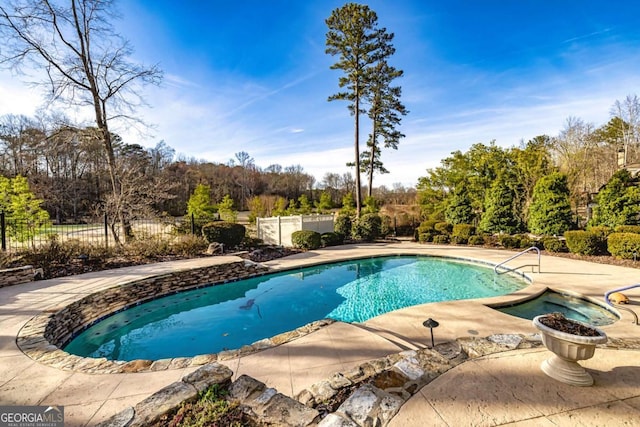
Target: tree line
{"x":66,"y":166}
{"x":585,"y":172}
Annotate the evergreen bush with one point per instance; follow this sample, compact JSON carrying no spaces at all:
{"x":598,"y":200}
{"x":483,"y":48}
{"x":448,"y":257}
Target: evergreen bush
{"x":550,"y":210}
{"x":443,"y":228}
{"x":500,"y":216}
{"x":441,"y":239}
{"x":462,"y":232}
{"x":583,"y":242}
{"x":618,"y":201}
{"x":368,"y":227}
{"x":508,"y":241}
{"x":306,"y":239}
{"x":331,"y":239}
{"x":426,"y":236}
{"x":228,"y":233}
{"x":343,"y":225}
{"x":624,"y":245}
{"x":635,"y":229}
{"x":553,"y":244}
{"x":476,"y":240}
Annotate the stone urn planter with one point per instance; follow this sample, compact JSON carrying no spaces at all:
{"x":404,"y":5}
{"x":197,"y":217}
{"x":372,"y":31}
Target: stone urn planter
{"x":570,"y":341}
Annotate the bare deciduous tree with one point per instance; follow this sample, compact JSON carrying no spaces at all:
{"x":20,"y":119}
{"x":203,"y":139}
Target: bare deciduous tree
{"x":86,"y":62}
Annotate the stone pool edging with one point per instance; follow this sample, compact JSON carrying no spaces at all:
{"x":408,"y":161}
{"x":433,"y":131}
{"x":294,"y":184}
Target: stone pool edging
{"x":42,"y":337}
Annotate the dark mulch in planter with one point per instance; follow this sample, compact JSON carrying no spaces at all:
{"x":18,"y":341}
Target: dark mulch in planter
{"x":560,"y":323}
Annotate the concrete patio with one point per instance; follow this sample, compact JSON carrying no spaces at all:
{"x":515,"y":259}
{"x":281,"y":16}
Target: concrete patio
{"x":494,"y":390}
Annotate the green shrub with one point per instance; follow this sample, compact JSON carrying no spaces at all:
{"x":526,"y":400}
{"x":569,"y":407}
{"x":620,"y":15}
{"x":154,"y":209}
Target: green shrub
{"x":228,"y":233}
{"x":343,"y":225}
{"x":306,"y":239}
{"x":441,"y":239}
{"x":386,"y":226}
{"x":147,"y":247}
{"x":188,"y":245}
{"x":368,"y":227}
{"x":583,"y":242}
{"x":553,"y":244}
{"x":624,"y":245}
{"x":443,"y":228}
{"x":476,"y":240}
{"x":428,"y":225}
{"x":331,"y":239}
{"x":426,"y":237}
{"x":635,"y":229}
{"x":508,"y":241}
{"x":462,"y":232}
{"x":602,"y":230}
{"x":517,"y":241}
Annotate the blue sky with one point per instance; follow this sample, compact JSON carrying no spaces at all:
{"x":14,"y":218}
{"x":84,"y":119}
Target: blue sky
{"x":253,"y":76}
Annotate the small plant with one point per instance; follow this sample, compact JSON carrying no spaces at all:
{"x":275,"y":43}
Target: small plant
{"x":227,"y":233}
{"x":306,"y":239}
{"x":211,"y":409}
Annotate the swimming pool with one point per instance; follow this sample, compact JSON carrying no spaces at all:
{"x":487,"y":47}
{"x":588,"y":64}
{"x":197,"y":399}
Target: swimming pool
{"x":215,"y":318}
{"x":571,"y":306}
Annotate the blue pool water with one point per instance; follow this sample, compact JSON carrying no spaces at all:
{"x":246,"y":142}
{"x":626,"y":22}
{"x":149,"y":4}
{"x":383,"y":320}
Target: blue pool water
{"x":572,"y":307}
{"x":215,"y":318}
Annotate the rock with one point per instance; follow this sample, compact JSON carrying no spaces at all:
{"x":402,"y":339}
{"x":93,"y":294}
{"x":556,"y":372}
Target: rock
{"x":389,"y":379}
{"x":370,"y":406}
{"x":281,"y":410}
{"x":136,"y":366}
{"x":121,"y":419}
{"x":245,"y":388}
{"x":160,"y":365}
{"x":322,"y":391}
{"x":215,"y":248}
{"x":478,"y":347}
{"x":510,"y":341}
{"x":203,"y":359}
{"x":208,"y":375}
{"x":306,"y":398}
{"x":335,"y":420}
{"x":162,"y":402}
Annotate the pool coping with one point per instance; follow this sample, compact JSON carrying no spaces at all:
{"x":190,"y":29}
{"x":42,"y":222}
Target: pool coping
{"x":32,"y":338}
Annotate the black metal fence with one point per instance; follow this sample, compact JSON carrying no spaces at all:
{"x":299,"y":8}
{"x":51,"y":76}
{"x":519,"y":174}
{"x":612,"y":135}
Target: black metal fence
{"x":17,"y":235}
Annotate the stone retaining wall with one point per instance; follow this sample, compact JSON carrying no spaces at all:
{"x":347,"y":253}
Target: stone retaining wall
{"x":15,"y":276}
{"x":76,"y":317}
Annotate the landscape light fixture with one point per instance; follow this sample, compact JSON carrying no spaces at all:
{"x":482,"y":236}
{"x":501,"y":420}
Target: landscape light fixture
{"x":430,"y":323}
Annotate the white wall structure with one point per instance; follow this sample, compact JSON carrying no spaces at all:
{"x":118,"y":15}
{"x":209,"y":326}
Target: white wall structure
{"x":278,"y":230}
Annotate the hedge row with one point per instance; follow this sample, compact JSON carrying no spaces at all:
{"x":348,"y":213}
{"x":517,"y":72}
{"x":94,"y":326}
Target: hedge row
{"x":623,"y":242}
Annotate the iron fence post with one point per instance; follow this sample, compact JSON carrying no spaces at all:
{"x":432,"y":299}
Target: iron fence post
{"x":106,"y":232}
{"x":3,"y":232}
